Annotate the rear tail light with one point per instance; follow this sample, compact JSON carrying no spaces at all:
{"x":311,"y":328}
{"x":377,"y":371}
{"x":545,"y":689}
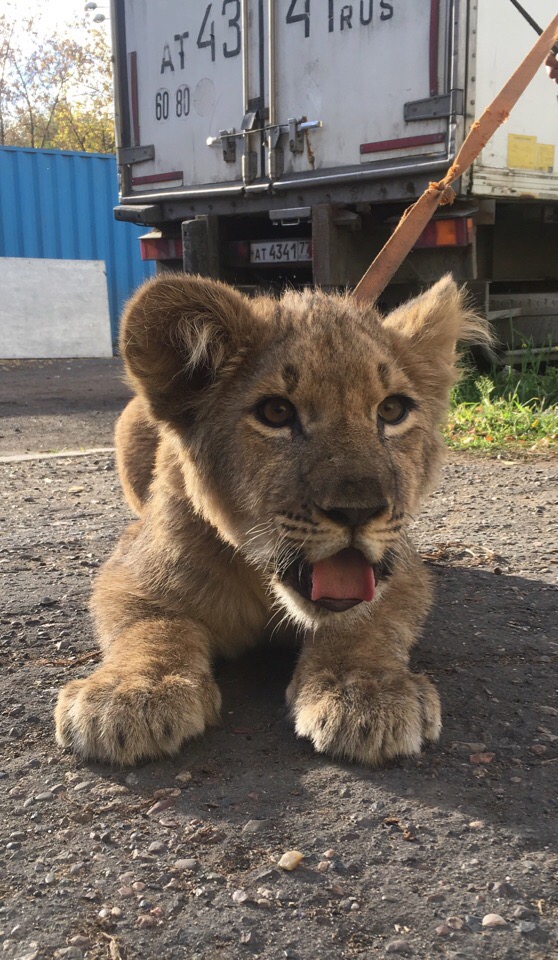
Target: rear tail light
{"x":153,"y":246}
{"x":450,"y":232}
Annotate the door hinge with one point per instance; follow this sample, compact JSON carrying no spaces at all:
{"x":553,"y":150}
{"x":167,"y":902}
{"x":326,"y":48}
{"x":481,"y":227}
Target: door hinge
{"x":126,"y":156}
{"x":445,"y":105}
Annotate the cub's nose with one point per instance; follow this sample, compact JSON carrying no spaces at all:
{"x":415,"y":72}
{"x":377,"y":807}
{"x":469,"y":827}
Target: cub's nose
{"x":354,"y":516}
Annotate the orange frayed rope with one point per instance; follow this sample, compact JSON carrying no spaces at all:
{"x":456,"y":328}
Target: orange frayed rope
{"x":415,"y":218}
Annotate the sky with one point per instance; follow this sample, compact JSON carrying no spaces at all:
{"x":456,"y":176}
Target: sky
{"x":54,"y":14}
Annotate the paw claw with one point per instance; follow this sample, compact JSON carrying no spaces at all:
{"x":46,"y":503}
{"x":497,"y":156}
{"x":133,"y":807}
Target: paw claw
{"x":123,"y":718}
{"x":369,"y":718}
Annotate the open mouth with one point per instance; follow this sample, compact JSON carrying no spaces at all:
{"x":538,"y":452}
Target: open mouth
{"x":336,"y":583}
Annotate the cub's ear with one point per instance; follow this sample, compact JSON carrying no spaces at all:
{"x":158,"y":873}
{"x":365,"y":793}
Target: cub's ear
{"x":426,"y":332}
{"x":177,"y":334}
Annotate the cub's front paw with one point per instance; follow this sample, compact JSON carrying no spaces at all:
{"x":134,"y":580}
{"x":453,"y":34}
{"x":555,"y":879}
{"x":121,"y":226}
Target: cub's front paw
{"x":124,"y":717}
{"x":369,"y":718}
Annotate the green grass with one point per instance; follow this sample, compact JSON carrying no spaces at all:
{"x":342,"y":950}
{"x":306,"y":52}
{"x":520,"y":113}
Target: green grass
{"x":510,"y":408}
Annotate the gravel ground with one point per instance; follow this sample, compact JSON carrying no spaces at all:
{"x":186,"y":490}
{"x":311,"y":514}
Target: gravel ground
{"x":452,"y":855}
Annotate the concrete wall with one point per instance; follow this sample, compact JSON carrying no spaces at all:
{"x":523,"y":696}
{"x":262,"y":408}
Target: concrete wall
{"x":53,"y":308}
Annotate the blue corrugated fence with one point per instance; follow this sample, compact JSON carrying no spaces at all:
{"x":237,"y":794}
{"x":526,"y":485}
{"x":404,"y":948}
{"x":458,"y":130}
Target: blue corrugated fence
{"x":58,"y":204}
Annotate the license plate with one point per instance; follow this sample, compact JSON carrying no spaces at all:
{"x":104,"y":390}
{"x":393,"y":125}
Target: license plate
{"x":280,"y":251}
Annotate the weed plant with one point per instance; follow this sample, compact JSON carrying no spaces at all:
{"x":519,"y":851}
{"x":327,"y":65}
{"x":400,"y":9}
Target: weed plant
{"x":509,"y":407}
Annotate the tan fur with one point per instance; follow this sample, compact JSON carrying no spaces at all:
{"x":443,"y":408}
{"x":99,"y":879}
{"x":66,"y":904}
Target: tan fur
{"x":136,"y":437}
{"x":227,"y":503}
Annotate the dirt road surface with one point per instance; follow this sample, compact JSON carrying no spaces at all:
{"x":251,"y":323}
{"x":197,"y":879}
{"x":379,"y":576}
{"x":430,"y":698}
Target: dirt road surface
{"x":451,"y":855}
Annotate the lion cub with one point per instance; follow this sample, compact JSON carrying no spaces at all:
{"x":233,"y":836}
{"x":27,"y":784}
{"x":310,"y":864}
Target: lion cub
{"x":275,"y":453}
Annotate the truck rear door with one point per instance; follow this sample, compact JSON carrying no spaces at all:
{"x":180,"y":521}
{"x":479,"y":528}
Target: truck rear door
{"x":180,"y":84}
{"x":376,"y":74}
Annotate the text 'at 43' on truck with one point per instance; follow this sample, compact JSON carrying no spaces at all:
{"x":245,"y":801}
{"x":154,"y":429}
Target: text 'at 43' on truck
{"x":274,"y":141}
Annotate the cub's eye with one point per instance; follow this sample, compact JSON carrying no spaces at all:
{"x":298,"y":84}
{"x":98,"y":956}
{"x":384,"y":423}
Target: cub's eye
{"x":394,"y":409}
{"x":276,"y":412}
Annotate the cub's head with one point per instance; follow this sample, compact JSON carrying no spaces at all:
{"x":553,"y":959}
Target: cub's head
{"x":307,"y":428}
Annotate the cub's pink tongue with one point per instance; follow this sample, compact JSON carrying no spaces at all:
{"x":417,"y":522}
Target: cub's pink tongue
{"x":345,"y":576}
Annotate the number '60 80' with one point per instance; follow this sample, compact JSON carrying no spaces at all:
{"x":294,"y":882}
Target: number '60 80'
{"x":181,"y":103}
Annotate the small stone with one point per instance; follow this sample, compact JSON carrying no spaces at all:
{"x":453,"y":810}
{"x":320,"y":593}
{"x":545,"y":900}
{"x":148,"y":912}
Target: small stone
{"x":132,"y":780}
{"x":526,"y":926}
{"x":125,"y":892}
{"x":290,"y":860}
{"x":69,"y":953}
{"x":329,"y":854}
{"x":145,"y":921}
{"x":482,"y":759}
{"x":436,"y":897}
{"x":157,"y":847}
{"x":443,"y":930}
{"x":145,"y":904}
{"x":323,"y":866}
{"x":254,"y":826}
{"x":539,"y":749}
{"x":399,"y":946}
{"x":83,"y":786}
{"x":116,"y":912}
{"x":477,"y":825}
{"x":503,"y":889}
{"x":471,"y":747}
{"x":473,"y":924}
{"x":493,"y":920}
{"x":240,"y":896}
{"x":42,"y":797}
{"x":455,"y":923}
{"x":522,"y":913}
{"x":167,"y":792}
{"x":183,"y":777}
{"x":187,"y":864}
{"x":161,"y":805}
{"x":81,"y":941}
{"x":138,"y":886}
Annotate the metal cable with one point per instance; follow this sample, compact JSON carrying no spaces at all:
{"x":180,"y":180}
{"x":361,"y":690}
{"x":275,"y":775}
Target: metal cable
{"x":532,"y":23}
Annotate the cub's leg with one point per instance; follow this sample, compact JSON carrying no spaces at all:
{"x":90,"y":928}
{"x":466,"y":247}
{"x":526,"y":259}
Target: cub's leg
{"x":362,"y":713}
{"x":352,"y":693}
{"x":136,"y":437}
{"x":153,"y":691}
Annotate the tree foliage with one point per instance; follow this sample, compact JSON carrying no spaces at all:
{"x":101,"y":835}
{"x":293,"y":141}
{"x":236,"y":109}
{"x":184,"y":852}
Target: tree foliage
{"x":55,"y":90}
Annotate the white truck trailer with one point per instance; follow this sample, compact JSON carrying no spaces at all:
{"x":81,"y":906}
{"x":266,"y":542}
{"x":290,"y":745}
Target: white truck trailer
{"x":273,"y":141}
